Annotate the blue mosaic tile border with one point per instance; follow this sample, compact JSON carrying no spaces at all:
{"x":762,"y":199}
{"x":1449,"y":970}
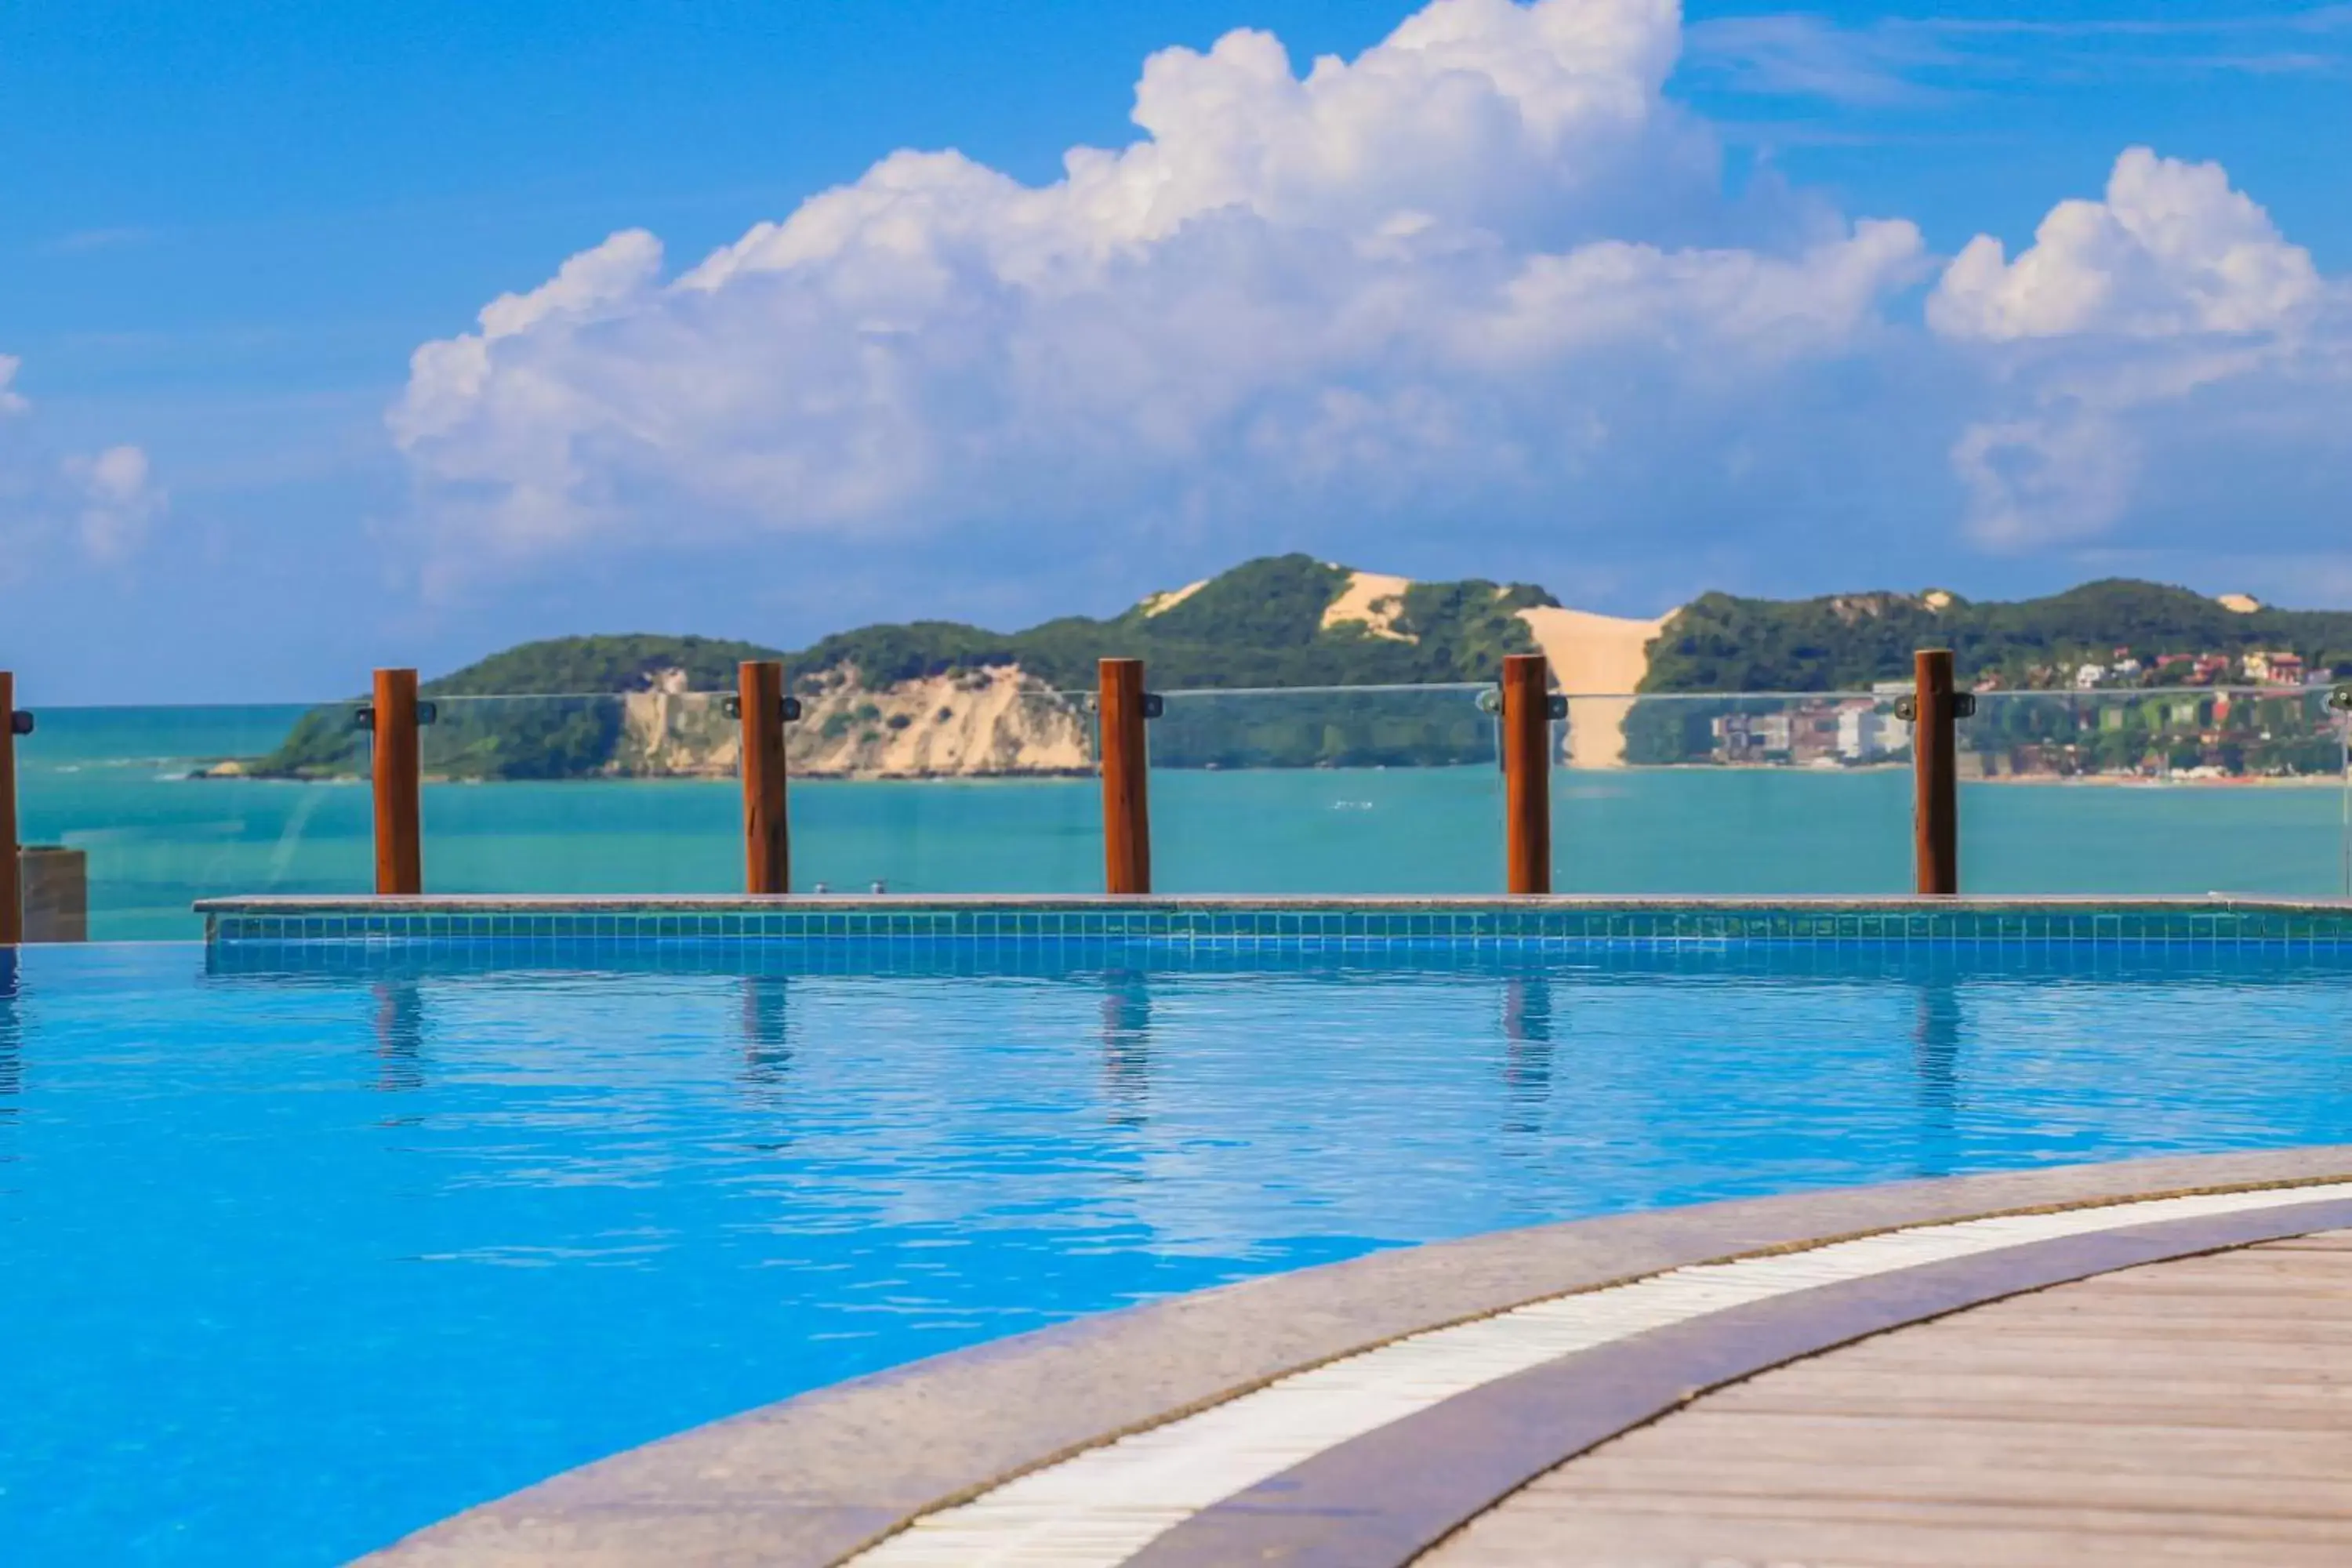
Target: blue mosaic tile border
{"x":1122,"y":962}
{"x":1323,"y":927}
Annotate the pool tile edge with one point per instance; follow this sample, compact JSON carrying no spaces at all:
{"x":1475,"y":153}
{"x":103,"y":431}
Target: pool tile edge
{"x":1312,"y":922}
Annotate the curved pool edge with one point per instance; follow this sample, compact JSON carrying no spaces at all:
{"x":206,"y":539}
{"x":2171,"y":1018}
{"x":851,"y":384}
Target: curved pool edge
{"x":816,"y":1478}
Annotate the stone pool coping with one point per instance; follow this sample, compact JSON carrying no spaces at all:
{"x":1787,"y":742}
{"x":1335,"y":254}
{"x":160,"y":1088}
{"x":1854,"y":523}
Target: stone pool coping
{"x":1326,"y":920}
{"x":814,"y":1480}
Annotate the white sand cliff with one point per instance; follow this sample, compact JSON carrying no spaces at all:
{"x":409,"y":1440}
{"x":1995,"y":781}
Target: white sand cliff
{"x":1593,"y":657}
{"x":973,"y":723}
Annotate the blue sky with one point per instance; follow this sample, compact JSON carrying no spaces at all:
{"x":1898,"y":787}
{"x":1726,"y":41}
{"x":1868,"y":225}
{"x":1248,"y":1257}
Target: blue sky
{"x":1677,"y":312}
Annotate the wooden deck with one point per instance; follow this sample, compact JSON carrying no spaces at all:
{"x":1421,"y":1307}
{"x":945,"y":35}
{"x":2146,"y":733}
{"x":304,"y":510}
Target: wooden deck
{"x":2196,"y":1411}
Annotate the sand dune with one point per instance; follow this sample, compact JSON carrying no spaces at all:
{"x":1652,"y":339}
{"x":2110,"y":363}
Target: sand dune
{"x":1160,"y":604}
{"x":1592,"y":659}
{"x":1599,"y":660}
{"x":1373,"y":598}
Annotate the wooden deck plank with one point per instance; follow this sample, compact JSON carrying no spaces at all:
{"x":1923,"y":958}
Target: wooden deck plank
{"x":1666,"y":1541}
{"x":2321,"y":1241}
{"x":2276,"y":1524}
{"x":2253,"y":1286}
{"x":2285,"y":1301}
{"x":2287,"y":1273}
{"x":2315,"y":1249}
{"x":2179,"y":1313}
{"x":1849,"y":1449}
{"x":2191,"y":1412}
{"x":2316,"y":1328}
{"x":2313,"y":1253}
{"x":2055,"y":1396}
{"x":2034,"y":1334}
{"x":2231,"y":1363}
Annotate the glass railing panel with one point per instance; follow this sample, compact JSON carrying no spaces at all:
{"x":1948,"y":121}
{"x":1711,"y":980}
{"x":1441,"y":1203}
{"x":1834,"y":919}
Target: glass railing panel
{"x":973,"y":782}
{"x":167,"y":806}
{"x":2182,"y":791}
{"x":1334,"y":790}
{"x":1746,"y":794}
{"x":637,"y":793}
{"x":1365,"y":790}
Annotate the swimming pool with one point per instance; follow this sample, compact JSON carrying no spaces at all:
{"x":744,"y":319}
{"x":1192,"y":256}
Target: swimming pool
{"x":310,"y":1244}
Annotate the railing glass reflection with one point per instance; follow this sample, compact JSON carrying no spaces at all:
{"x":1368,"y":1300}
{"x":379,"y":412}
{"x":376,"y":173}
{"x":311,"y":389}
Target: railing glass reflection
{"x":2177,"y":791}
{"x":1331,"y":790}
{"x":1760,"y":794}
{"x":990,"y":789}
{"x":633,"y":794}
{"x":166,"y":806}
{"x":999,"y":802}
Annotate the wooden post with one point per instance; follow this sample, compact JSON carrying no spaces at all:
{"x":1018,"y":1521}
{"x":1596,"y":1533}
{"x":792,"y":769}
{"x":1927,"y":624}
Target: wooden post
{"x":1126,"y":778}
{"x":1934,"y":764}
{"x":767,"y":837}
{"x":12,"y":890}
{"x":399,"y":836}
{"x":1527,"y":772}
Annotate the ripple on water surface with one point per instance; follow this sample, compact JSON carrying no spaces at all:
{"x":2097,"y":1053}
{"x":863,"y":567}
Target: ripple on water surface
{"x":297,"y":1262}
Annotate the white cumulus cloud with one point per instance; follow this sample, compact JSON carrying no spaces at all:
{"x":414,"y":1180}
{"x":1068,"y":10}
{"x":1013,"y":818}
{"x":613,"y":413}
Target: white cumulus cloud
{"x":2171,"y":322}
{"x":2173,"y":250}
{"x":1487,"y":273}
{"x":1459,"y":263}
{"x":104,"y":501}
{"x":117,"y":499}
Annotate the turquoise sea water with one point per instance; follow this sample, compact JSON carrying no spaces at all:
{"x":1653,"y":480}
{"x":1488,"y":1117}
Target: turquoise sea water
{"x":113,"y":782}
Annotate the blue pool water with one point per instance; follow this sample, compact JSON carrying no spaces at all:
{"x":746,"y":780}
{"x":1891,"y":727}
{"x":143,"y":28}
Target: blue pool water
{"x":302,"y":1252}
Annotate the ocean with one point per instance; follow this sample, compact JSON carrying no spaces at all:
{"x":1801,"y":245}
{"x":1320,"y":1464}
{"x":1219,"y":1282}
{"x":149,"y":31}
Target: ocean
{"x":114,"y":782}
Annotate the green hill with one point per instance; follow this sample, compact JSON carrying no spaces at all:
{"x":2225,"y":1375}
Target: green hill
{"x":1259,"y":625}
{"x":599,"y":664}
{"x":1844,"y":642}
{"x":1262,"y":625}
{"x":2142,"y":635}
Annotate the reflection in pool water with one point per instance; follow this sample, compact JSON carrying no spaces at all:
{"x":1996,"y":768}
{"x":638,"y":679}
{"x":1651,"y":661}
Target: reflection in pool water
{"x":308,"y":1248}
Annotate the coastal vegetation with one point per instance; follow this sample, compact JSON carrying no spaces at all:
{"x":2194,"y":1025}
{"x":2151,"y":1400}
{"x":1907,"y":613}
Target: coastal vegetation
{"x":939,"y":698}
{"x":1263,"y":623}
{"x":2112,"y":678}
{"x":1847,"y":642}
